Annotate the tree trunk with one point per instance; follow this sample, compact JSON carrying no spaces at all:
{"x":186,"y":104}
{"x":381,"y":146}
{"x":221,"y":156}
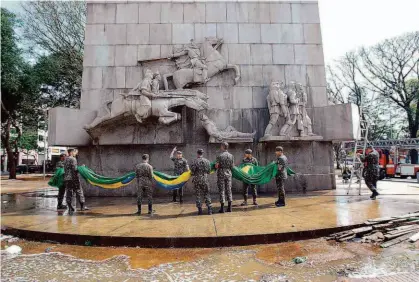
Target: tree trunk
{"x":12,"y":163}
{"x":413,"y":125}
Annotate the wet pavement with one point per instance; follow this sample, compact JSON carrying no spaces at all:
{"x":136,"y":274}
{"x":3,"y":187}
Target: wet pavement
{"x":113,"y":216}
{"x":326,"y":261}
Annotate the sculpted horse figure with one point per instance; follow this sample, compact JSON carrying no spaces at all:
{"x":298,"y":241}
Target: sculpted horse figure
{"x":142,"y":103}
{"x":198,"y":65}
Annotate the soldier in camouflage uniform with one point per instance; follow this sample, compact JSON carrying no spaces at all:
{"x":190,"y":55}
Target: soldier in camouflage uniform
{"x":200,"y":168}
{"x":181,"y":166}
{"x":282,"y":163}
{"x":249,"y":159}
{"x":144,"y":174}
{"x":224,"y":164}
{"x":61,"y":190}
{"x":372,"y":170}
{"x":72,"y":182}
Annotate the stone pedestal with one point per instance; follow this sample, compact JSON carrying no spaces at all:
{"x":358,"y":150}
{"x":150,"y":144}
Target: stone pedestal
{"x":290,"y":138}
{"x":262,"y":41}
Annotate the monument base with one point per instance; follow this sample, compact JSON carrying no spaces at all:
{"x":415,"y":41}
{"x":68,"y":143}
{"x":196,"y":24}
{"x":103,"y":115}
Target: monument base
{"x":291,"y":138}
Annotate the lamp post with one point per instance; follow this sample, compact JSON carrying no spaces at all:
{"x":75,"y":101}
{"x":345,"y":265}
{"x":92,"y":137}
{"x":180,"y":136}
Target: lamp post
{"x":45,"y":140}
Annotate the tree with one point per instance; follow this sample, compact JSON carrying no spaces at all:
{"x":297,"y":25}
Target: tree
{"x":391,"y":69}
{"x":54,"y":31}
{"x":20,"y":95}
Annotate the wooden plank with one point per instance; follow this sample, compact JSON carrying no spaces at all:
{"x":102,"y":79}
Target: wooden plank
{"x":361,"y":230}
{"x":403,"y":230}
{"x":414,"y":238}
{"x":382,"y":226}
{"x":396,"y":241}
{"x":346,"y":238}
{"x":395,"y":235}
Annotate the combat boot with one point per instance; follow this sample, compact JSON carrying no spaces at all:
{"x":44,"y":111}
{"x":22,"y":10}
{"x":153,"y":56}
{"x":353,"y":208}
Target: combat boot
{"x":280,"y":203}
{"x":229,"y":207}
{"x":209,"y":210}
{"x":199,"y":211}
{"x":221,"y":209}
{"x":139,"y":210}
{"x":83,"y":207}
{"x":245,"y":201}
{"x":254,"y":200}
{"x":374,"y":195}
{"x":61,"y":207}
{"x":150,"y":208}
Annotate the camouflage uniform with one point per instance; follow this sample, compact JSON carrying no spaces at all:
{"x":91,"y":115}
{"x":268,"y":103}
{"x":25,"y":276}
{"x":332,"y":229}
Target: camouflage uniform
{"x":226,"y":162}
{"x":144,"y":174}
{"x":181,"y":166}
{"x":72,"y":182}
{"x":282,"y":163}
{"x":61,"y":190}
{"x":200,"y":168}
{"x":371,"y":170}
{"x":253,"y":161}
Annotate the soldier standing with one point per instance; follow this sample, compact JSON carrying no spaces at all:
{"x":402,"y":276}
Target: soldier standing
{"x":200,"y":168}
{"x":249,"y":159}
{"x":371,"y":170}
{"x":224,"y":164}
{"x":61,"y":190}
{"x":181,"y":166}
{"x":281,"y":175}
{"x":144,"y":174}
{"x":72,"y":182}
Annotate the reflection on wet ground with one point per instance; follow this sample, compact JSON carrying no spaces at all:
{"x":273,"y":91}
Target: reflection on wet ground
{"x":113,"y":216}
{"x":326,"y":261}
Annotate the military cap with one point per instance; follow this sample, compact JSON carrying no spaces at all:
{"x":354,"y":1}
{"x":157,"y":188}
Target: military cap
{"x":248,"y":151}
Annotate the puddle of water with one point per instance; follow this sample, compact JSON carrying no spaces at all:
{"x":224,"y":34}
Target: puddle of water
{"x":326,"y":262}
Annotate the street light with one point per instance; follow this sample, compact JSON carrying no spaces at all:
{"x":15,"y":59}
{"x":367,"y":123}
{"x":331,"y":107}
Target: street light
{"x":45,"y":140}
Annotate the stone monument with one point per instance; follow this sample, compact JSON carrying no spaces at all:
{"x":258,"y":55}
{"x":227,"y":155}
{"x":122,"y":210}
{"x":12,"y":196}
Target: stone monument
{"x":191,"y":74}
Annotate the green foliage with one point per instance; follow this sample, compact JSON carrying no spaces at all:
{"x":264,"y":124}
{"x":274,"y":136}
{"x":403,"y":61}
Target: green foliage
{"x":54,"y":33}
{"x":29,"y":140}
{"x":20,"y":99}
{"x":60,"y":80}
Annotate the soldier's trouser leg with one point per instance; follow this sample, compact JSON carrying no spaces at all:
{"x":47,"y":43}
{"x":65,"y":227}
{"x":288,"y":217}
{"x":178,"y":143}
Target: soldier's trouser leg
{"x":69,"y":188}
{"x":207,"y":195}
{"x":369,"y":180}
{"x":254,"y":190}
{"x":140,"y":192}
{"x":281,"y":189}
{"x":273,"y":120}
{"x":228,"y":183}
{"x":79,"y":193}
{"x":181,"y":194}
{"x":198,"y":191}
{"x":149,"y":193}
{"x":61,"y":192}
{"x":221,"y":189}
{"x":244,"y":190}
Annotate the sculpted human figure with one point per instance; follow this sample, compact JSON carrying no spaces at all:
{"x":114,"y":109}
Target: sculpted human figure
{"x":293,"y":112}
{"x":277,"y":104}
{"x":155,"y":84}
{"x":198,"y":63}
{"x":229,"y":132}
{"x":303,"y":115}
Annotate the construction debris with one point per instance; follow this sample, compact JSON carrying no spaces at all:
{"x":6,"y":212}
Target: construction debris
{"x":386,"y":231}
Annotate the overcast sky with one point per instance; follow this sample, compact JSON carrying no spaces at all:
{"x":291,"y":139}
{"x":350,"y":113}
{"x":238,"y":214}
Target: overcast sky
{"x":348,"y":24}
